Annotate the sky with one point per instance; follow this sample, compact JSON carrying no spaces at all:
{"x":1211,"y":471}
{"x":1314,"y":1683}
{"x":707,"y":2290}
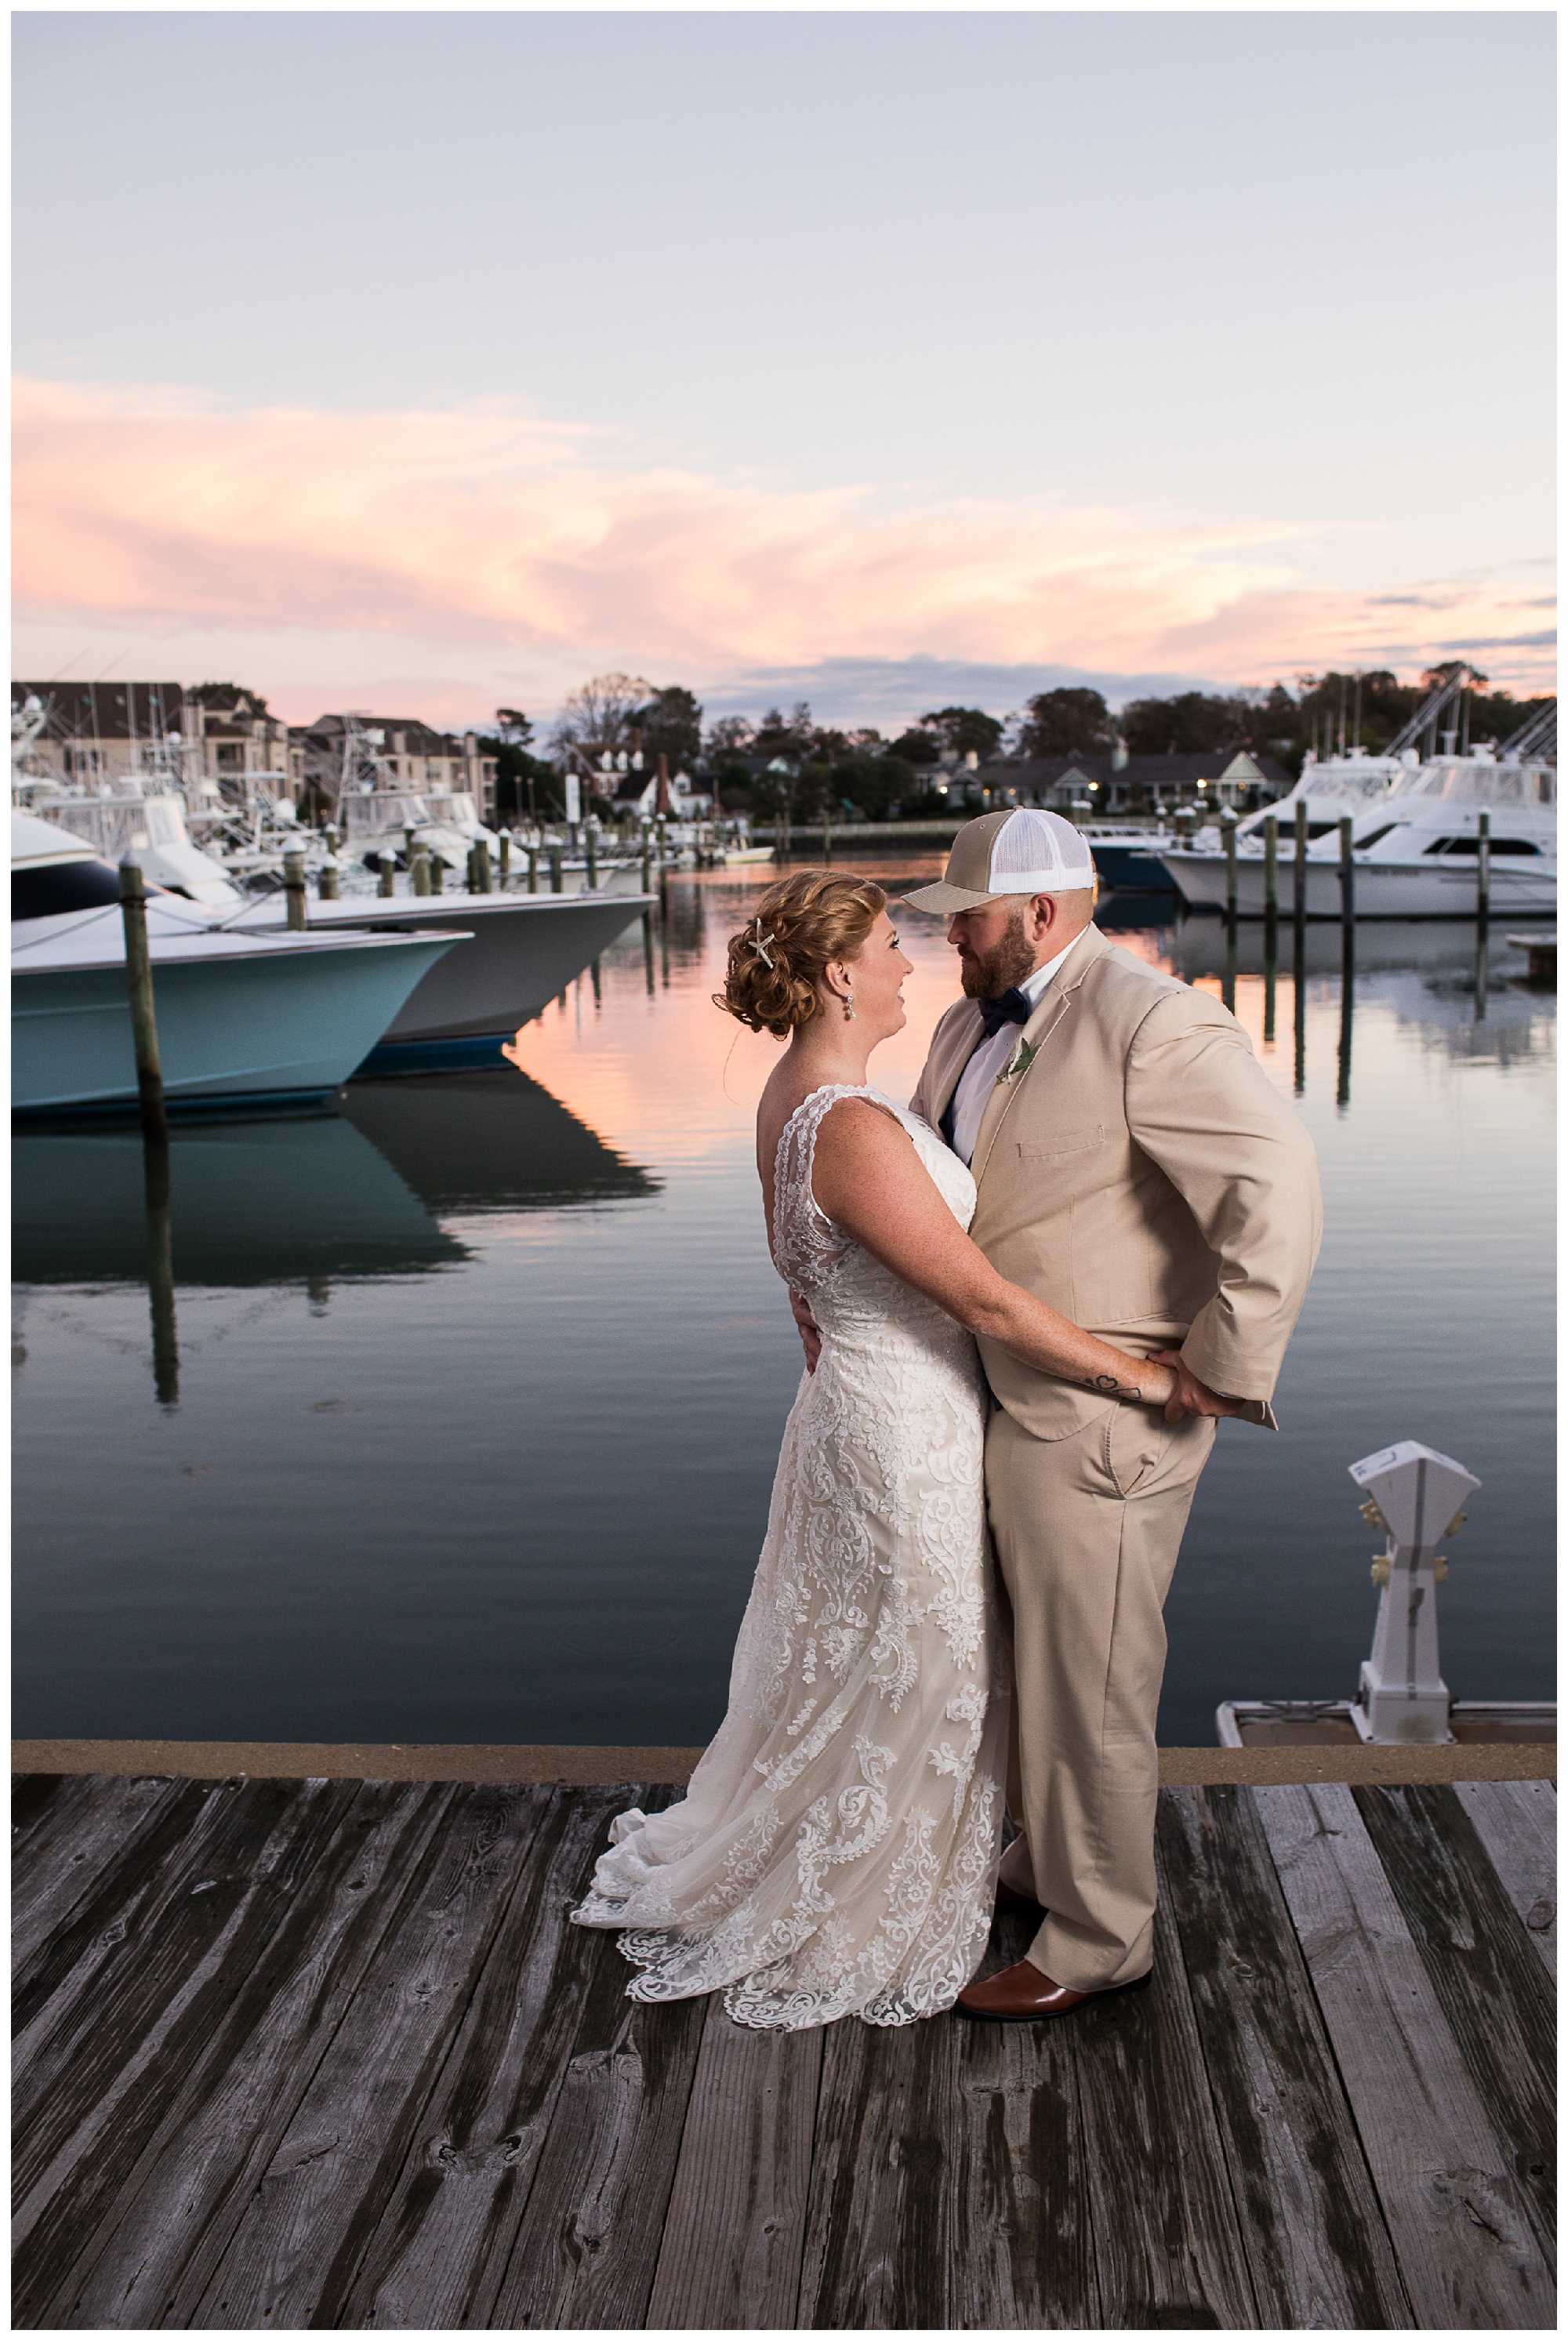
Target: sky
{"x":432,"y":362}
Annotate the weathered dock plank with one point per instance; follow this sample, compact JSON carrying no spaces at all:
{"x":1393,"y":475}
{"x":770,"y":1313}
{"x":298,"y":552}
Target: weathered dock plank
{"x":1488,"y":1980}
{"x":734,"y":2233}
{"x":295,"y":2248}
{"x":203,"y":2142}
{"x":1024,"y":2255}
{"x":1167,"y":2238}
{"x":150,"y":1985}
{"x":440,"y":2245}
{"x":84,"y":1830}
{"x":1516,"y":1821}
{"x":1461,"y":2233}
{"x":1316,"y":2240}
{"x":588,"y":2243}
{"x":880,"y":2227}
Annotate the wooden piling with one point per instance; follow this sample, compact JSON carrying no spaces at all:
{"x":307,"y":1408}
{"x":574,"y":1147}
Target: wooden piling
{"x":387,"y":885}
{"x":555,"y":881}
{"x":1298,"y":974}
{"x":1299,"y":904}
{"x":294,"y":891}
{"x":1228,"y":832}
{"x":591,"y":850}
{"x":505,"y":859}
{"x":1347,"y":869}
{"x":327,"y":885}
{"x":437,"y":873}
{"x":161,"y":1271}
{"x":482,"y":872}
{"x":143,"y":1022}
{"x":1270,"y":865}
{"x":419,"y":863}
{"x":1483,"y":867}
{"x":533,"y":869}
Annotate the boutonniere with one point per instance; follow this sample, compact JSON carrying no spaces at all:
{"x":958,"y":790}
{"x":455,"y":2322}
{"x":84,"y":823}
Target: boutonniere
{"x":1014,"y":1071}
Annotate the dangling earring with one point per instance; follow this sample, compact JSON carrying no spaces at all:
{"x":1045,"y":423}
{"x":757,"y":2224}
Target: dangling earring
{"x":849,"y":1005}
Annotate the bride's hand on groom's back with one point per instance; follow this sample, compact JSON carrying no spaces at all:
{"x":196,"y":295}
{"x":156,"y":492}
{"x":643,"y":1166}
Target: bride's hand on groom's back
{"x":1191,"y":1396}
{"x":810,"y":1333}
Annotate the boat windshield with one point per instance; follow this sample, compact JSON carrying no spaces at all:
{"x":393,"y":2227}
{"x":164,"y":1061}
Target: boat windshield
{"x":44,"y":891}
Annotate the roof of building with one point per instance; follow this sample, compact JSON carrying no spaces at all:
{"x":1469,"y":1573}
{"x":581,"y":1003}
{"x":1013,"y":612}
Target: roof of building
{"x":1182,"y":767}
{"x":418,"y":739}
{"x":107,"y":711}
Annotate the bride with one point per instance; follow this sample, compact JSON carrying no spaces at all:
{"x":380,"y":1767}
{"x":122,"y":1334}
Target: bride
{"x":837,"y":1852}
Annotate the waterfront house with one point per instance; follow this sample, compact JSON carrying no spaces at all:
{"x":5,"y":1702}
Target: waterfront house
{"x":409,"y":755}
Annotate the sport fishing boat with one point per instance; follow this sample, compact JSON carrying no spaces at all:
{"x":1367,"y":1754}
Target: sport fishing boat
{"x":243,"y":1017}
{"x":150,"y":829}
{"x":517,"y":952}
{"x":1415,"y":846}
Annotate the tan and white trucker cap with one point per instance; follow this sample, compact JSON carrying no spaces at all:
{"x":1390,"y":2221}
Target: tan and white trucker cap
{"x":1021,"y":853}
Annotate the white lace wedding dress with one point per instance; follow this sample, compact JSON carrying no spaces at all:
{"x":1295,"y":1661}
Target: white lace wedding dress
{"x":837,"y":1852}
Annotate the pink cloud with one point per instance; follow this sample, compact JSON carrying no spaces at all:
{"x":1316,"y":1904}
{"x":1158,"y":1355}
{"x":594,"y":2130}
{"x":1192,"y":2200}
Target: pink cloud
{"x":483,"y":526}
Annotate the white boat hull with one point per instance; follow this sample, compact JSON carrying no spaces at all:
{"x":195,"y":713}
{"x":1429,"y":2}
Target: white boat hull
{"x":1441,"y":887}
{"x":257,"y":1024}
{"x":521,"y":950}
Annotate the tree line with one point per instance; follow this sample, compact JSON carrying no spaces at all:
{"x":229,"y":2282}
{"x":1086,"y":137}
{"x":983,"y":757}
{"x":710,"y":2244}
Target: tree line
{"x":790,"y":764}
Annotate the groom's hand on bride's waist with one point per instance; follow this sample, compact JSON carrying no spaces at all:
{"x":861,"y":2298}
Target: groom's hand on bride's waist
{"x":810,"y":1334}
{"x":1191,"y":1396}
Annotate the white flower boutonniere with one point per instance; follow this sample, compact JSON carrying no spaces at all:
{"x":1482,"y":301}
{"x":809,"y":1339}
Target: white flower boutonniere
{"x":1019,"y":1064}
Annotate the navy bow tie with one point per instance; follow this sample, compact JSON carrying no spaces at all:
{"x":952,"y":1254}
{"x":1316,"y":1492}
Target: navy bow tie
{"x":1012,"y":1007}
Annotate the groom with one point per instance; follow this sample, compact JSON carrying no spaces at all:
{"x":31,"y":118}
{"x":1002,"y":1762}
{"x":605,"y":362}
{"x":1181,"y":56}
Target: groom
{"x":1137,"y":1170}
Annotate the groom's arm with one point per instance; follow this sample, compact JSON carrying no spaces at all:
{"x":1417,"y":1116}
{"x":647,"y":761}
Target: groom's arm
{"x":1201,"y":1107}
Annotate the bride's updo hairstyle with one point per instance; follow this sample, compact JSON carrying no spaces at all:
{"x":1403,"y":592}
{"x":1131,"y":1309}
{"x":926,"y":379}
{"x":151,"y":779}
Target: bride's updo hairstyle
{"x":777,"y":960}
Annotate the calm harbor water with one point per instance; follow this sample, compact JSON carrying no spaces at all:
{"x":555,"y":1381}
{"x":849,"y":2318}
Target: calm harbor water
{"x":481,"y":1378}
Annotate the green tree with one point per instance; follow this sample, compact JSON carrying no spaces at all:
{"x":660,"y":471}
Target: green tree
{"x":963,"y":732}
{"x":1067,"y":722}
{"x":1193,"y":721}
{"x":670,"y":725}
{"x":919,"y":746}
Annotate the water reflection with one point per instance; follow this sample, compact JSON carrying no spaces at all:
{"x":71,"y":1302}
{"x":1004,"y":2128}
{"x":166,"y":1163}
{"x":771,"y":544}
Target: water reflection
{"x":324,"y":1199}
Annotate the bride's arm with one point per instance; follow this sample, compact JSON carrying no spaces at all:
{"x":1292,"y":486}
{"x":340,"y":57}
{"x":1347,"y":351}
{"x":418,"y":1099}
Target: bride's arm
{"x":871,"y":1182}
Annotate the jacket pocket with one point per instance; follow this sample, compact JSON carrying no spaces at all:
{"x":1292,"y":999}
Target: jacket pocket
{"x":1061,"y":1141}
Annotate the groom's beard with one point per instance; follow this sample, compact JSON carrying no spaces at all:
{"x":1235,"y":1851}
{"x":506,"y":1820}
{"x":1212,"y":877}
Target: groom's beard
{"x":987,"y":975}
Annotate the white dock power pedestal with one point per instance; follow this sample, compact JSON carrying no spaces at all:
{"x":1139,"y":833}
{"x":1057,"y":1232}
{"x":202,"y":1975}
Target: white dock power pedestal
{"x":1414,"y":1495}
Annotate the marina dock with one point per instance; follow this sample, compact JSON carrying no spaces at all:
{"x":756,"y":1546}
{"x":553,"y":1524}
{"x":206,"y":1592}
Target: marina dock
{"x":297,"y":2052}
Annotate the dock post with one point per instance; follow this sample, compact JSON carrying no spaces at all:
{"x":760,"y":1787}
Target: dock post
{"x":1270,"y":978}
{"x":1346,"y":1007}
{"x":1300,"y":881}
{"x":387,"y":885}
{"x":590,"y":849}
{"x":144,"y":1021}
{"x":482,"y":867}
{"x":1228,"y":832}
{"x":161,"y":1273}
{"x":648,"y":949}
{"x":1347,"y":869}
{"x":533,"y":869}
{"x":327,"y":885}
{"x":293,"y":890}
{"x":438,"y":872}
{"x":555,"y":881}
{"x":1483,"y":867}
{"x":505,"y":859}
{"x":1270,"y":865}
{"x":419,"y":863}
{"x":1228,"y":981}
{"x":1483,"y":971}
{"x":1298,"y":974}
{"x":647,"y":868}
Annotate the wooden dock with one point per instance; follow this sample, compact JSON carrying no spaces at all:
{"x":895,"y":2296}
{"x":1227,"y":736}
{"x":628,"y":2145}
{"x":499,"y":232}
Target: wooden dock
{"x":297,"y":2053}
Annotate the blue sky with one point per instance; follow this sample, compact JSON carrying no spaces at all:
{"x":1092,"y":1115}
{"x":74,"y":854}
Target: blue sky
{"x":1120,"y":344}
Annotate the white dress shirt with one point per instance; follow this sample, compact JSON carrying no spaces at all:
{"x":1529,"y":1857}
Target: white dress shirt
{"x":978,"y":1078}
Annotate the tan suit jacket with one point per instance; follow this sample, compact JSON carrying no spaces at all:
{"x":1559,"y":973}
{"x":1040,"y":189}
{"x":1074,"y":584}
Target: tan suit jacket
{"x":1142,"y":1176}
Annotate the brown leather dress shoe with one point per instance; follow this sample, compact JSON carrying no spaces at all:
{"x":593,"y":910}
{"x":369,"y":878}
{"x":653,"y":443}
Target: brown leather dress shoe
{"x":1022,"y":1995}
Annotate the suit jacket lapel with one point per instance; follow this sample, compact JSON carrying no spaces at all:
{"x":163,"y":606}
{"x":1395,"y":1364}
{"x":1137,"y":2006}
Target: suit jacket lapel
{"x":959,"y":1043}
{"x":1054,"y":1003}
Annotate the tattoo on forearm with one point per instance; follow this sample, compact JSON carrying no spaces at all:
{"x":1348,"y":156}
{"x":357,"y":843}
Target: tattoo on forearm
{"x":1110,"y":1386}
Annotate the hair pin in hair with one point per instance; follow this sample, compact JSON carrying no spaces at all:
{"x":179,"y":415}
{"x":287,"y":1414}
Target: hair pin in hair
{"x":759,"y":943}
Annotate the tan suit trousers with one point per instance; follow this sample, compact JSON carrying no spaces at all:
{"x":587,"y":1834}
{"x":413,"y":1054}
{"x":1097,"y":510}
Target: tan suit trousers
{"x":1087,"y":1529}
